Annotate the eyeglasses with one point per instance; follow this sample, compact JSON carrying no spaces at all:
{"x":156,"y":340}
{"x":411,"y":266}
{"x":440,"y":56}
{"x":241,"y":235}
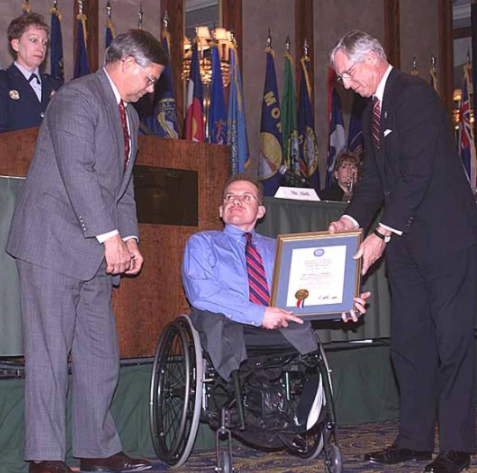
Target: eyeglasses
{"x":150,"y":80}
{"x":246,"y":198}
{"x":346,"y":75}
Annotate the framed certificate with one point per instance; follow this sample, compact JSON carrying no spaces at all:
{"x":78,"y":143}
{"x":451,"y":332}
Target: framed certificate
{"x":315,"y":274}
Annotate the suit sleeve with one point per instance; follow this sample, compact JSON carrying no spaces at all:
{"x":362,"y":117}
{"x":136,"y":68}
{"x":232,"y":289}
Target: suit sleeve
{"x":72,"y":125}
{"x":127,"y":214}
{"x":419,"y":122}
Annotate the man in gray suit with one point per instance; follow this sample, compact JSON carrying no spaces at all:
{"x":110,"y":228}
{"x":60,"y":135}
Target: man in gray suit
{"x":73,"y":232}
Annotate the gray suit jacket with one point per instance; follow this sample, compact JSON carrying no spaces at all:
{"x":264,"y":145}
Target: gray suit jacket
{"x":76,"y":187}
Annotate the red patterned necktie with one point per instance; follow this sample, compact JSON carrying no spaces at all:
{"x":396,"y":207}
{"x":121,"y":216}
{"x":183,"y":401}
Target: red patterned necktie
{"x":122,"y":112}
{"x":376,"y":121}
{"x":257,"y":280}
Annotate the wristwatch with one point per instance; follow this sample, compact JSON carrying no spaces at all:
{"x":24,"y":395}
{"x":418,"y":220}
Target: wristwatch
{"x":385,"y":238}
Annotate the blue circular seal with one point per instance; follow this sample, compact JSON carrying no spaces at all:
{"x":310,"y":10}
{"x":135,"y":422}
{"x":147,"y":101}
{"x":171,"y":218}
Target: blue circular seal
{"x":319,"y":252}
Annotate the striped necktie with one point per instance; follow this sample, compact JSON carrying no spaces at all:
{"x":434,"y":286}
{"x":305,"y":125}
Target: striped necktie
{"x":376,"y":121}
{"x":257,"y":280}
{"x":122,"y":112}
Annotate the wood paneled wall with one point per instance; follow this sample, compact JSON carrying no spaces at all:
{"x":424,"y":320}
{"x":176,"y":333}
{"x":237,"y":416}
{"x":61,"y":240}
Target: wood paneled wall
{"x":392,"y":33}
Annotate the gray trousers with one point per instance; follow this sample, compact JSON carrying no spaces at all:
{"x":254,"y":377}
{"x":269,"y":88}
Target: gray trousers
{"x":225,"y":340}
{"x":62,"y":316}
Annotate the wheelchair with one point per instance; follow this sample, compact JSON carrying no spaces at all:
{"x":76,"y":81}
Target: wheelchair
{"x":256,"y":406}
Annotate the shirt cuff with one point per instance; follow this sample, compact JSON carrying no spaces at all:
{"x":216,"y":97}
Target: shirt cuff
{"x":352,"y":220}
{"x":130,"y":237}
{"x":397,"y":232}
{"x":104,"y":236}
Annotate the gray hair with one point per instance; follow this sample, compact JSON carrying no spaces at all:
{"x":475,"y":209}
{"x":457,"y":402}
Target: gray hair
{"x":355,"y":44}
{"x":140,"y":45}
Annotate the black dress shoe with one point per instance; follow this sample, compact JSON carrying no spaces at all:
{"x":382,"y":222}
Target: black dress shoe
{"x":449,"y":461}
{"x":393,"y":455}
{"x":116,"y":462}
{"x":50,"y":467}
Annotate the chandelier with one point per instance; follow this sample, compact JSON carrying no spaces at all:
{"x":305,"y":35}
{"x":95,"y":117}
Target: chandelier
{"x":205,"y":40}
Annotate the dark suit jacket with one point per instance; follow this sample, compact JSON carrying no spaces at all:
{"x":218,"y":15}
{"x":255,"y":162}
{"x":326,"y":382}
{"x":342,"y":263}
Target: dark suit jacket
{"x":417,"y":172}
{"x":76,"y":187}
{"x":19,"y":105}
{"x":333,"y":193}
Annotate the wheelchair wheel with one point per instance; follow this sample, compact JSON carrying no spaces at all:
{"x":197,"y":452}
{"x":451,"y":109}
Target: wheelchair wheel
{"x":314,"y":445}
{"x":175,"y":392}
{"x":333,"y":459}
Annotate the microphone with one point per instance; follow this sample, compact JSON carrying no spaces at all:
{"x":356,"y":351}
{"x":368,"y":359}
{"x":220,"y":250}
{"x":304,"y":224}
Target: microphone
{"x":284,"y":171}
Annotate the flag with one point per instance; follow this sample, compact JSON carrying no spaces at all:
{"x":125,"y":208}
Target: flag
{"x":355,"y":132}
{"x":289,"y":128}
{"x":236,"y":128}
{"x":163,"y":122}
{"x":109,"y":33}
{"x":271,"y":154}
{"x":56,"y":46}
{"x":26,"y":7}
{"x":81,"y":66}
{"x":466,"y":132}
{"x":194,"y":120}
{"x":217,"y":119}
{"x":336,"y":141}
{"x":433,"y":79}
{"x":308,"y":146}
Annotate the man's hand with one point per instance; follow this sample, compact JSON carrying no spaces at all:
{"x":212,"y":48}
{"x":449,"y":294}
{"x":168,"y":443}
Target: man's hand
{"x":370,"y":250}
{"x":360,"y":304}
{"x":136,"y":258}
{"x":342,"y":225}
{"x":117,"y":254}
{"x":275,"y":318}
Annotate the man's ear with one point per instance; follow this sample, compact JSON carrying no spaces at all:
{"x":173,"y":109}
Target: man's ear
{"x":221,"y":211}
{"x":14,"y":45}
{"x":127,"y":62}
{"x":371,"y":57}
{"x":261,"y":211}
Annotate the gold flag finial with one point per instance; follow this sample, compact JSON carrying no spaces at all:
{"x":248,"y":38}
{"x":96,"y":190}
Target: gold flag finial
{"x":165,"y":21}
{"x":269,"y":38}
{"x":288,"y":44}
{"x":305,"y":48}
{"x":140,"y":15}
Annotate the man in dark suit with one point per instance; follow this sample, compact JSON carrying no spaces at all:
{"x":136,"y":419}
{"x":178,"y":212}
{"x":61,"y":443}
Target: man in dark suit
{"x":25,"y":91}
{"x":74,"y":231}
{"x":429,"y":231}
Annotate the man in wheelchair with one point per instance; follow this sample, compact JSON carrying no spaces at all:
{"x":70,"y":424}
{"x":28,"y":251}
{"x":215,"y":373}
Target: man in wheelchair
{"x":227,"y":275}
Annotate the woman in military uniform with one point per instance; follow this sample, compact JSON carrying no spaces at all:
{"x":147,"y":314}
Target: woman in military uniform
{"x":25,"y":91}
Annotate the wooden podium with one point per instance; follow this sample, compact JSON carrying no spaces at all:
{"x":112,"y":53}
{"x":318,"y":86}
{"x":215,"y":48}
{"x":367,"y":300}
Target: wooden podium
{"x":143,"y":305}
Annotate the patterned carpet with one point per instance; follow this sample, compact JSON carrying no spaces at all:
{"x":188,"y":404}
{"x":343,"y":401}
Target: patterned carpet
{"x":354,"y":441}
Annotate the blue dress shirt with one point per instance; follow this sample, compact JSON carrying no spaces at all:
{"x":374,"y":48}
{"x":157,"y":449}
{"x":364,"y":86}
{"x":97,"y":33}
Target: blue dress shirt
{"x":214,"y":273}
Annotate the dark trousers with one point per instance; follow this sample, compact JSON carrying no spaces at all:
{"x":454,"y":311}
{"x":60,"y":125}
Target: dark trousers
{"x":225,"y":340}
{"x":434,"y":305}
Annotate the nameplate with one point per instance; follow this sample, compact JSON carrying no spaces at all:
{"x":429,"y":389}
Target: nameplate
{"x":296,"y":193}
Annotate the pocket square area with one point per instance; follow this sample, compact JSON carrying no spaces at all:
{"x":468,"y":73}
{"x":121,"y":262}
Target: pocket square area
{"x":386,"y":132}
